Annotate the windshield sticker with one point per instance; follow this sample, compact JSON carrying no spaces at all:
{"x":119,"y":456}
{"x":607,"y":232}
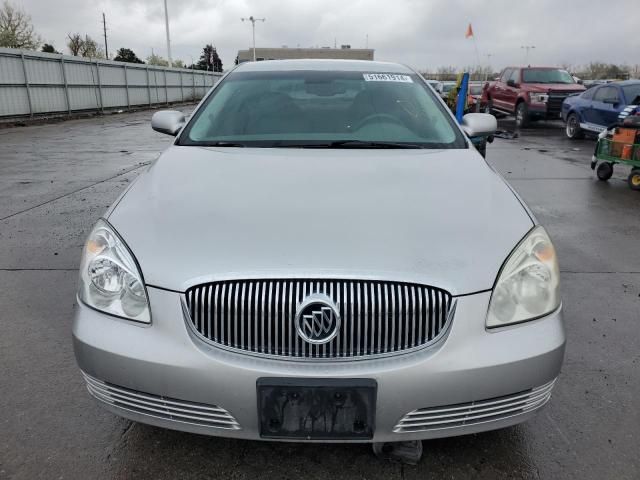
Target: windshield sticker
{"x":386,"y":77}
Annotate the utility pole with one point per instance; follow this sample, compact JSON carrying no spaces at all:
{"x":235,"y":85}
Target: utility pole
{"x":166,"y":23}
{"x":253,"y":26}
{"x":527,"y":48}
{"x":104,"y":27}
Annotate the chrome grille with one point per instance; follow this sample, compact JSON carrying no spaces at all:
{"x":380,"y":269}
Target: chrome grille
{"x":377,"y":317}
{"x":473,"y":413}
{"x":161,"y":407}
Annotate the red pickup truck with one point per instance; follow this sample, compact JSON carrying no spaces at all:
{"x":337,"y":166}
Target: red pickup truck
{"x":529,"y":93}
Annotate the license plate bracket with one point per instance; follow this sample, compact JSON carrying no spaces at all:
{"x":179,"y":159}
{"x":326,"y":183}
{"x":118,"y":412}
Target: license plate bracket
{"x":317,"y":409}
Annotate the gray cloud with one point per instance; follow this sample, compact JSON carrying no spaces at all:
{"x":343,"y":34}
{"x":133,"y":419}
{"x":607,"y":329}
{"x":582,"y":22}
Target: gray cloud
{"x":421,"y":33}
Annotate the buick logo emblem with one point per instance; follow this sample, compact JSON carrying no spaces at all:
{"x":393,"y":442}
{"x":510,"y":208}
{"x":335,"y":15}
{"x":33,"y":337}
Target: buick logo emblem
{"x":317,"y":319}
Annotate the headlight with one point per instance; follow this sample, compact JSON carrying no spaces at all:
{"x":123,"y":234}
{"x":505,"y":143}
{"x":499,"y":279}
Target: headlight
{"x":539,"y":97}
{"x":528,"y":285}
{"x":110,"y":280}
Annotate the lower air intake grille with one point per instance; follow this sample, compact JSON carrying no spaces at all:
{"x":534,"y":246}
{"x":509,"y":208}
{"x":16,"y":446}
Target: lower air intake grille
{"x":161,"y":407}
{"x":377,"y":317}
{"x":482,"y":411}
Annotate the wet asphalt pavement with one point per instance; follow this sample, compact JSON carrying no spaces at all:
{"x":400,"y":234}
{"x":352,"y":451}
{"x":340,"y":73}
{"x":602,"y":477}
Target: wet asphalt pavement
{"x":56,"y":180}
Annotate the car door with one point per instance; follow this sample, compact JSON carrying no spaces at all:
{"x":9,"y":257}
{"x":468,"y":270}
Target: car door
{"x":588,"y":110}
{"x":499,"y":89}
{"x":512,"y":88}
{"x":605,"y":106}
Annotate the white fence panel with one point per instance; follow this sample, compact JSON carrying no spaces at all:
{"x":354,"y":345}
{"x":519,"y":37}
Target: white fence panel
{"x":34,"y":83}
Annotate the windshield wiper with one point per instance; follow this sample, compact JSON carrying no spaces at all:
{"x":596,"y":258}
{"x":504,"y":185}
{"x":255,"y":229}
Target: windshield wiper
{"x":359,"y":144}
{"x":223,"y":144}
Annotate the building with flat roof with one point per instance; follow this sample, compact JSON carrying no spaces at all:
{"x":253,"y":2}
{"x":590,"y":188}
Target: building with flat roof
{"x":285,"y":53}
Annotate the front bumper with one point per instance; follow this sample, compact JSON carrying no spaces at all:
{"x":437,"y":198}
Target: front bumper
{"x":163,"y":375}
{"x":544,"y":111}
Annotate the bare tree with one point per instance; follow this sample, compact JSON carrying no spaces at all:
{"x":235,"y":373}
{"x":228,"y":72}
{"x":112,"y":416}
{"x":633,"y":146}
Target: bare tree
{"x":84,"y":47}
{"x":75,"y":43}
{"x":16,"y":30}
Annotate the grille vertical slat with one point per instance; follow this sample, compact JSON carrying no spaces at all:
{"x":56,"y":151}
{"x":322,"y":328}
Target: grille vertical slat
{"x":371,"y":344}
{"x":343,"y":327}
{"x":418,"y":331}
{"x":352,"y":322}
{"x":365,"y":339}
{"x":235,"y":316}
{"x":431,"y":314}
{"x":209,"y":304}
{"x":378,"y":317}
{"x":302,"y":343}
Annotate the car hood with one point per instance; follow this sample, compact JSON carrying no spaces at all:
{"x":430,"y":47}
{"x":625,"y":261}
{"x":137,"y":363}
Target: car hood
{"x":556,"y":87}
{"x":436,"y":217}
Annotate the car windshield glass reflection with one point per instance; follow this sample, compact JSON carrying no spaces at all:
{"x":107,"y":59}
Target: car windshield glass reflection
{"x":546,"y":75}
{"x":317,"y":109}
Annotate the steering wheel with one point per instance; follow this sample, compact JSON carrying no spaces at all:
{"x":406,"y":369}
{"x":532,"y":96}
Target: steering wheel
{"x":381,"y":117}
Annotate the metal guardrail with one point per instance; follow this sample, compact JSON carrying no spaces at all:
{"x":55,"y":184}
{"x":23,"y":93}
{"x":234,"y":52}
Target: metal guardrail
{"x":34,"y":83}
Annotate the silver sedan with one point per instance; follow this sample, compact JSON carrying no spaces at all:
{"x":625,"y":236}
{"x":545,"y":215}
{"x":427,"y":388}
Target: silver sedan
{"x":321,"y":255}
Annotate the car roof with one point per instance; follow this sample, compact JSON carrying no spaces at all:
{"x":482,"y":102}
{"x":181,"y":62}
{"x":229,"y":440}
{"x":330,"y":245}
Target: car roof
{"x":624,"y":83}
{"x":536,"y":67}
{"x":618,"y":83}
{"x":324,"y":64}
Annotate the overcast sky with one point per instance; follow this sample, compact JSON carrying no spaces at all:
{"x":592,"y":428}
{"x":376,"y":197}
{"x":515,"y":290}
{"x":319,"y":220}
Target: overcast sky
{"x":422,"y":33}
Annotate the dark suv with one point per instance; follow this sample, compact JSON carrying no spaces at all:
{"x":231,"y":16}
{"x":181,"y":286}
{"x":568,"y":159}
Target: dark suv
{"x":530,"y":93}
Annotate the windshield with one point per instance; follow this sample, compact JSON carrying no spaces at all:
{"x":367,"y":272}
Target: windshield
{"x":447,"y":87}
{"x":546,"y":75}
{"x":475,"y":89}
{"x":334,"y":109}
{"x":632,"y":93}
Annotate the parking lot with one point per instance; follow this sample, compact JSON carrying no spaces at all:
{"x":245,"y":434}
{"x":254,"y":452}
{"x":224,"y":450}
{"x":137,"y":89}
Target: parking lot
{"x":57,"y":179}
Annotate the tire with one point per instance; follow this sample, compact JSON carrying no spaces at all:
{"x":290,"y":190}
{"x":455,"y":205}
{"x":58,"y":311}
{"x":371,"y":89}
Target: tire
{"x":572,"y":129}
{"x":634,"y":179}
{"x":604,"y":171}
{"x":522,"y":115}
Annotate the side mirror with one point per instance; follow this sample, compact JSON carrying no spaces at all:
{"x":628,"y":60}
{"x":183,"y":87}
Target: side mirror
{"x":479,"y":124}
{"x":169,"y":122}
{"x":512,"y":83}
{"x":580,"y":82}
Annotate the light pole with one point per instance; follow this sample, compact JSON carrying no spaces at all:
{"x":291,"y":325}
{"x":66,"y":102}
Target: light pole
{"x":253,"y":27}
{"x":166,"y":24}
{"x":527,"y":48}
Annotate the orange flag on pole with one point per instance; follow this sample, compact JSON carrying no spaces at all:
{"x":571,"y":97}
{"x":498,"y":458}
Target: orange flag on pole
{"x":469,"y":32}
